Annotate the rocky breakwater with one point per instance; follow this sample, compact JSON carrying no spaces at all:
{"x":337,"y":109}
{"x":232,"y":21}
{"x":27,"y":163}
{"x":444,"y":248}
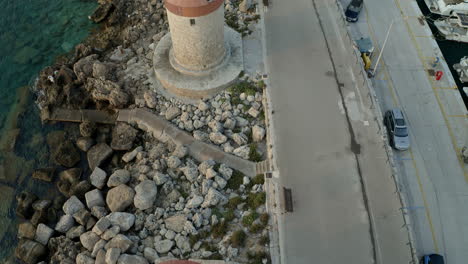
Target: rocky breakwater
{"x":140,"y":200}
{"x":144,"y":203}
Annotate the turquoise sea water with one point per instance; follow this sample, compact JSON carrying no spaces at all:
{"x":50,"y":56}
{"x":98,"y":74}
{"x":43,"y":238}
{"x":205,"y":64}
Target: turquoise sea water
{"x":32,"y":34}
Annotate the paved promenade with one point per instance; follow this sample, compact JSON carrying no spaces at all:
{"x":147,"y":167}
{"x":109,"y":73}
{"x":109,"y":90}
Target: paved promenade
{"x":328,"y":144}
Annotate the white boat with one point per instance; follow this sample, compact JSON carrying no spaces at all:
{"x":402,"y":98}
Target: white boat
{"x":462,"y":69}
{"x":454,"y":27}
{"x":447,"y":7}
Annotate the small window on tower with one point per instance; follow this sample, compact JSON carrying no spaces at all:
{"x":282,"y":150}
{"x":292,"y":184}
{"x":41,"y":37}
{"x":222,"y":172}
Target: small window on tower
{"x":192,"y":21}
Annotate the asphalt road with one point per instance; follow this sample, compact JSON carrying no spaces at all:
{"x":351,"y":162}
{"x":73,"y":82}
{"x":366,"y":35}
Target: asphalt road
{"x":326,"y":145}
{"x":431,"y":175}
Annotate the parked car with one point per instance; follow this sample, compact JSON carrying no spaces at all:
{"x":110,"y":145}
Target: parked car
{"x":432,"y":259}
{"x":397,"y":129}
{"x":353,"y":10}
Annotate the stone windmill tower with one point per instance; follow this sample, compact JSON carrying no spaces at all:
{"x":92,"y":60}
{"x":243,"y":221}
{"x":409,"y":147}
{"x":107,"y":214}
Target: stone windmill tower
{"x":200,"y":56}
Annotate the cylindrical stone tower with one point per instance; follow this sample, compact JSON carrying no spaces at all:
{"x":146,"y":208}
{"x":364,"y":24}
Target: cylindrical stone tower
{"x":200,"y":56}
{"x":197,"y":32}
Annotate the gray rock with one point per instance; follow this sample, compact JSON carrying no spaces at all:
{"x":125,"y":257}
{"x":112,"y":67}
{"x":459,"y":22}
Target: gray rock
{"x":123,"y":136}
{"x":229,"y":123}
{"x":205,"y":165}
{"x":163,"y":246}
{"x":202,"y":106}
{"x":97,"y":247}
{"x":170,"y":234}
{"x":213,"y":198}
{"x":253,"y":112}
{"x":98,"y":154}
{"x":180,"y":151}
{"x":131,"y":259}
{"x":29,"y":251}
{"x":43,"y":234}
{"x":118,"y":177}
{"x":225,"y":171}
{"x":94,"y":198}
{"x":172,"y":112}
{"x":243,"y":152}
{"x":89,"y":239}
{"x":150,"y":254}
{"x":129,"y":156}
{"x":111,"y":233}
{"x":82,"y":216}
{"x":150,"y":99}
{"x":198,"y":124}
{"x":72,"y":205}
{"x":75,"y":232}
{"x":99,"y":211}
{"x":119,"y":198}
{"x":221,"y":182}
{"x":65,"y":223}
{"x":173,"y":162}
{"x":124,"y":220}
{"x":194,"y":202}
{"x":217,"y":138}
{"x":160,"y":178}
{"x":215,"y":126}
{"x":200,"y":135}
{"x":197,"y":220}
{"x":190,"y":172}
{"x":258,"y":133}
{"x":210,"y":173}
{"x":84,"y":143}
{"x":175,"y":223}
{"x":241,"y":122}
{"x":83,"y":258}
{"x":98,"y":178}
{"x":240,"y":138}
{"x":101,"y":226}
{"x":112,"y":255}
{"x":101,"y":257}
{"x":145,"y":194}
{"x":26,"y":230}
{"x":119,"y":241}
{"x":183,"y":243}
{"x":189,"y":228}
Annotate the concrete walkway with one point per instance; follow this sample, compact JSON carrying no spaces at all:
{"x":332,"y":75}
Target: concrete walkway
{"x":162,"y":130}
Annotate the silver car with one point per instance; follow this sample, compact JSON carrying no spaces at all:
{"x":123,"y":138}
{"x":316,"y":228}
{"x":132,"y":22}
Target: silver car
{"x":397,"y":129}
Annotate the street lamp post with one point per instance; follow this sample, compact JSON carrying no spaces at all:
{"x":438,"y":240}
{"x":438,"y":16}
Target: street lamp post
{"x":383,"y":47}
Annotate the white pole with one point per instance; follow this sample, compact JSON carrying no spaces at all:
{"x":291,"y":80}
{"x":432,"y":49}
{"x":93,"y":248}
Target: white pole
{"x":383,"y":46}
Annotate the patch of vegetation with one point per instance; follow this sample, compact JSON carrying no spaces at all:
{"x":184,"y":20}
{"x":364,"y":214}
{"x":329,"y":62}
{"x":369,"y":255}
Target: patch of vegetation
{"x":241,"y":74}
{"x":261,"y":115}
{"x":238,"y":238}
{"x":248,"y":220}
{"x":235,"y":100}
{"x":237,"y":130}
{"x":253,"y":153}
{"x":243,"y":87}
{"x":215,"y":256}
{"x":258,"y":179}
{"x":216,"y":211}
{"x":209,"y":247}
{"x":255,"y":228}
{"x":254,"y":200}
{"x":264,"y":240}
{"x":200,"y":236}
{"x":257,"y":257}
{"x":183,"y":193}
{"x":261,"y":84}
{"x":236,"y":180}
{"x":219,"y":230}
{"x":234,"y":202}
{"x":229,"y":215}
{"x":264,"y":218}
{"x":246,"y":108}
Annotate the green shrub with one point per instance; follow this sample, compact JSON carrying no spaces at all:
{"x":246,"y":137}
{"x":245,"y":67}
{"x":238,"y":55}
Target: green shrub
{"x":238,"y":238}
{"x":229,"y":215}
{"x":258,"y":179}
{"x":200,"y":236}
{"x":254,"y":200}
{"x":248,"y":220}
{"x":234,"y":202}
{"x":219,"y":230}
{"x":217,"y":212}
{"x":243,"y":87}
{"x":256,"y":257}
{"x":264,"y":218}
{"x":253,"y":153}
{"x":236,"y":180}
{"x":255,"y":228}
{"x":208,"y":247}
{"x":261,"y":84}
{"x":264,"y":240}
